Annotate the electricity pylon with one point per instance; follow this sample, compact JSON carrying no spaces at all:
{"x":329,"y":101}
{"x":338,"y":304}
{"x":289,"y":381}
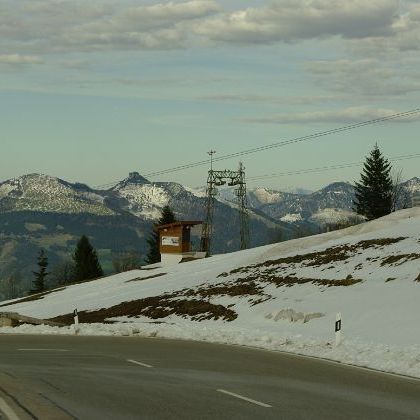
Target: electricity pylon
{"x":218,"y":178}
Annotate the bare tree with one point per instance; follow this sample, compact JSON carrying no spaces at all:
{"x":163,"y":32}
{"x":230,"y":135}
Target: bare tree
{"x":62,"y":273}
{"x":126,"y":261}
{"x":344,"y":223}
{"x":400,"y":199}
{"x":11,"y":286}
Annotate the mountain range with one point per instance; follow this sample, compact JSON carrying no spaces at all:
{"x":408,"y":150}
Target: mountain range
{"x":40,"y":211}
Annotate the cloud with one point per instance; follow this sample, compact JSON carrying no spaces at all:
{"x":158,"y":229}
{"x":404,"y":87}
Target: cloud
{"x":49,"y":26}
{"x":266,"y":99}
{"x":293,"y":20}
{"x":17,"y":59}
{"x":74,"y":64}
{"x":367,"y":77}
{"x":60,"y":26}
{"x":343,"y":116}
{"x":406,"y":35}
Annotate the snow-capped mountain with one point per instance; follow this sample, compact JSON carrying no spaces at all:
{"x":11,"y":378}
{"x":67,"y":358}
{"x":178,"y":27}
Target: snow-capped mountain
{"x":412,"y":185}
{"x":329,"y":206}
{"x":44,"y":193}
{"x":143,"y":199}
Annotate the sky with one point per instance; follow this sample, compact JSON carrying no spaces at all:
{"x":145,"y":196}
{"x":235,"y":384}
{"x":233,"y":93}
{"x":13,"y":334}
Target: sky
{"x":90,"y":91}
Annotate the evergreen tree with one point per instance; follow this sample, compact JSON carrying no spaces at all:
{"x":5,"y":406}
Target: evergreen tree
{"x":38,"y":284}
{"x":374,"y":192}
{"x":87,"y":265}
{"x":166,"y":217}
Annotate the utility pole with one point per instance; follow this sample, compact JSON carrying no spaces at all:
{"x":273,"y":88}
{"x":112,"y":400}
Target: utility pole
{"x":211,"y":153}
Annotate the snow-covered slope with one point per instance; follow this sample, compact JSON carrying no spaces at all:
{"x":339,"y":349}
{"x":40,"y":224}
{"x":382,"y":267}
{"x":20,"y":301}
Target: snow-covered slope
{"x":282,"y":297}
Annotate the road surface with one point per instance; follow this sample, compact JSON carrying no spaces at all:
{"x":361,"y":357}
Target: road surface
{"x":64,"y":377}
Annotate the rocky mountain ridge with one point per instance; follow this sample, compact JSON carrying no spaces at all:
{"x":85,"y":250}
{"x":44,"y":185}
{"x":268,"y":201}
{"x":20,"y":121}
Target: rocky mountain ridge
{"x":141,"y":198}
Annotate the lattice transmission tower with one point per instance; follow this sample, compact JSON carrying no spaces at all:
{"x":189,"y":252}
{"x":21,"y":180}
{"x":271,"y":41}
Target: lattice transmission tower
{"x":233,"y":179}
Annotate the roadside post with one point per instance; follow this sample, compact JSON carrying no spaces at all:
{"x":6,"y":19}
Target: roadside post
{"x":76,"y":321}
{"x":338,"y":329}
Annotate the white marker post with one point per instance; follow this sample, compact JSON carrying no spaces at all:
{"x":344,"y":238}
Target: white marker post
{"x":76,"y":321}
{"x":338,"y":329}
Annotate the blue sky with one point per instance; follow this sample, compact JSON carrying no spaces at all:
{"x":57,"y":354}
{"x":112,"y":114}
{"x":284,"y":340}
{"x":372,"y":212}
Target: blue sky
{"x":92,"y":91}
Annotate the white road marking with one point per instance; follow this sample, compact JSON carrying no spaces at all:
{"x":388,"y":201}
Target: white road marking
{"x":139,"y":363}
{"x":42,"y":350}
{"x":241,"y":397}
{"x":7,"y":410}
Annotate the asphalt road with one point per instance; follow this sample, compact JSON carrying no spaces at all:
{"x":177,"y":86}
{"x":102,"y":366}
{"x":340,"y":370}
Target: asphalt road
{"x":64,"y":377}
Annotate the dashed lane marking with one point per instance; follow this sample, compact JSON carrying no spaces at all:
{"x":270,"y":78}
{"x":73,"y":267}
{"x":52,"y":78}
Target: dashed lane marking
{"x":42,"y":350}
{"x":139,"y":363}
{"x":241,"y":397}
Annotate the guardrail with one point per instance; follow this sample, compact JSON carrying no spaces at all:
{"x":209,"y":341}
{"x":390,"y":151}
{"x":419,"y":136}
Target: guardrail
{"x":12,"y":319}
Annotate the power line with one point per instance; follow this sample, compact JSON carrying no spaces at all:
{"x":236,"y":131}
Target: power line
{"x":287,"y":142}
{"x":279,"y":144}
{"x":327,"y":168}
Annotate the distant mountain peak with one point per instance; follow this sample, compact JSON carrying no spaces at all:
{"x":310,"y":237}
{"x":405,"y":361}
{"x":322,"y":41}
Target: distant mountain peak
{"x":133,"y":178}
{"x":412,"y":185}
{"x":136,"y":177}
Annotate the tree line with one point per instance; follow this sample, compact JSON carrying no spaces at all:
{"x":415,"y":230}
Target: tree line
{"x":85,"y":264}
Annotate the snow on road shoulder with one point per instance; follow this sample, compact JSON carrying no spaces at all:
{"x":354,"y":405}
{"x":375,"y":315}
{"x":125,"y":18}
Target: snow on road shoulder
{"x":402,"y":360}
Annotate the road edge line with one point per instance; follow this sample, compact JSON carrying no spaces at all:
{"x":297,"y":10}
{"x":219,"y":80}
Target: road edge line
{"x":7,"y":410}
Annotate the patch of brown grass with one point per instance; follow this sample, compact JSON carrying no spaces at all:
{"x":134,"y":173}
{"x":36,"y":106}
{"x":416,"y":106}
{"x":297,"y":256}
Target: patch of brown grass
{"x":235,"y":289}
{"x":155,"y":307}
{"x":33,"y":297}
{"x":146,"y":278}
{"x":290,"y":281}
{"x":325,"y":257}
{"x":380,"y":242}
{"x":399,"y":259}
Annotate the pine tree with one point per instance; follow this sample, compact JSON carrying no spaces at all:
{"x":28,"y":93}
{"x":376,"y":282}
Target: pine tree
{"x":166,"y":217}
{"x":39,"y":281}
{"x":374,"y":192}
{"x":87,"y":265}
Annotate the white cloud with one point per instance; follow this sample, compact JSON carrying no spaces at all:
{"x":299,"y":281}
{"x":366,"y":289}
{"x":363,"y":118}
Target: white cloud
{"x":17,"y":59}
{"x":342,"y":116}
{"x":406,"y":35}
{"x":291,"y":20}
{"x":45,"y":26}
{"x":367,"y":77}
{"x":266,"y":99}
{"x":73,"y":25}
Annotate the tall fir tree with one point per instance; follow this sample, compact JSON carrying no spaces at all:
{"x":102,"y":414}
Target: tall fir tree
{"x":87,"y":266}
{"x":374,"y":192}
{"x":38,"y":284}
{"x":166,"y":217}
